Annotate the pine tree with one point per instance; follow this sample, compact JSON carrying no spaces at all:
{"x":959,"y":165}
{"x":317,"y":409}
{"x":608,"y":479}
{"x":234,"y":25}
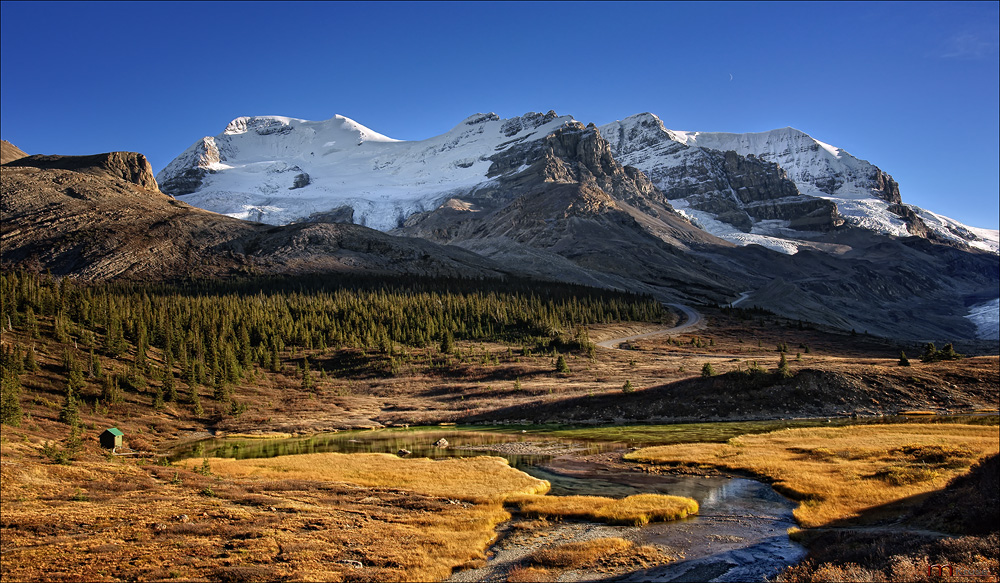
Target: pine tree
{"x":930,"y":352}
{"x":169,"y":386}
{"x":903,"y":361}
{"x":707,"y":370}
{"x":111,"y":393}
{"x":10,"y":398}
{"x":561,"y":365}
{"x":948,"y":353}
{"x":30,"y":364}
{"x":70,"y":412}
{"x":627,"y":387}
{"x":195,"y":401}
{"x":783,"y":368}
{"x":307,"y":381}
{"x":447,"y":343}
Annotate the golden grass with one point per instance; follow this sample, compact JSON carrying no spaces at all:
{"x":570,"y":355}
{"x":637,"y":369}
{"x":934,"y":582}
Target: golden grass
{"x":634,"y":510}
{"x":118,"y":519}
{"x":606,"y":556}
{"x":838,"y":472}
{"x":476,"y":479}
{"x":579,"y":555}
{"x":521,"y":574}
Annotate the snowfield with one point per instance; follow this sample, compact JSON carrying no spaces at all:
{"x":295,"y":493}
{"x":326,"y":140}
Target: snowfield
{"x":257,"y":160}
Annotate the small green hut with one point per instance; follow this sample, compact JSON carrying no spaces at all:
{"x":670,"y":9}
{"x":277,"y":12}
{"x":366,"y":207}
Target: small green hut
{"x":111,"y":438}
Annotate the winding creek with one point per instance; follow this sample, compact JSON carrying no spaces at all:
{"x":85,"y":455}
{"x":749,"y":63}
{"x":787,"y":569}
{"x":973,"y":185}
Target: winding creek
{"x":740,"y":533}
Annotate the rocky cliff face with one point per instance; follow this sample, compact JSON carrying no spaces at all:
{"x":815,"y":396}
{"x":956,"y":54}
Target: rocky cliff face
{"x":129,"y":166}
{"x":728,"y":193}
{"x":185,"y":174}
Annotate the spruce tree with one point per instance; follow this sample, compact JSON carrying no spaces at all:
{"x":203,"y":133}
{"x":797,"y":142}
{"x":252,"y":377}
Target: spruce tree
{"x":783,"y":368}
{"x":903,"y":361}
{"x":195,"y":401}
{"x":307,"y":381}
{"x":70,"y":412}
{"x":707,"y":370}
{"x":447,"y":343}
{"x":10,"y":398}
{"x":30,"y":364}
{"x":561,"y":365}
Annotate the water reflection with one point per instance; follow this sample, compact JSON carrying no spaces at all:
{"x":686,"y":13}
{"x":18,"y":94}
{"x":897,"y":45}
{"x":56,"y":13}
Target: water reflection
{"x":420,"y":442}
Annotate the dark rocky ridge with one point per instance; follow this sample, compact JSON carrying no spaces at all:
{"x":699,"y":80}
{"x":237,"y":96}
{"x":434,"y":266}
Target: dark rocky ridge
{"x":129,"y":166}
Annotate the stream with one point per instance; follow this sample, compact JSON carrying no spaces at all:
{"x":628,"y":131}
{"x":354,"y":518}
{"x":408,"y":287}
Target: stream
{"x":740,"y":533}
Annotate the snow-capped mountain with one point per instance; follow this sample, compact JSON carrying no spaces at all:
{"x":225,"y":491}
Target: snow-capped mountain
{"x":780,"y":189}
{"x":280,"y":170}
{"x":691,"y":170}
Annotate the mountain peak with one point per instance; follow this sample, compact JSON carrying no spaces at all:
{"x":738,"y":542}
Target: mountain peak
{"x":478,"y":118}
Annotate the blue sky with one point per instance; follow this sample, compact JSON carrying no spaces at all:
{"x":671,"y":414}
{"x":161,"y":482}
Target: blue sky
{"x":911,"y":87}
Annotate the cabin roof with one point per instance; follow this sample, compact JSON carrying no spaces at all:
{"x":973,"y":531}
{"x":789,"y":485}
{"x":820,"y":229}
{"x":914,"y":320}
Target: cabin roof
{"x":114,"y":431}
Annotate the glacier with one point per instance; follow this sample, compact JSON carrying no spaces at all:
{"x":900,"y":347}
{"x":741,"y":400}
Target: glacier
{"x":986,"y":317}
{"x":251,"y":173}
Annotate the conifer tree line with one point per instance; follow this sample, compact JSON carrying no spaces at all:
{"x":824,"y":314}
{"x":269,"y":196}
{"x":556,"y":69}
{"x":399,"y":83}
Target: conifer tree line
{"x":212,"y":331}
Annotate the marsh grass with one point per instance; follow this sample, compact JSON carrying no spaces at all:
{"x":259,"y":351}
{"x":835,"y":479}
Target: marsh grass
{"x":837,"y":472}
{"x":634,"y":510}
{"x":604,"y":555}
{"x":578,"y":555}
{"x":477,"y":479}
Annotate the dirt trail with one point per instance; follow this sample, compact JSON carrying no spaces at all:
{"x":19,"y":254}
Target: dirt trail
{"x":692,"y":319}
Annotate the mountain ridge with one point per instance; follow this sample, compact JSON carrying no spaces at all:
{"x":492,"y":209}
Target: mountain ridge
{"x":368,"y":178}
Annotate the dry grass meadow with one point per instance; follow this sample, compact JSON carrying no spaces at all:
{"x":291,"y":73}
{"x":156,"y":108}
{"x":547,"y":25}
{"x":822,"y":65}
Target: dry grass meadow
{"x":601,"y":555}
{"x":635,"y":510}
{"x":481,"y":479}
{"x":838,"y":472}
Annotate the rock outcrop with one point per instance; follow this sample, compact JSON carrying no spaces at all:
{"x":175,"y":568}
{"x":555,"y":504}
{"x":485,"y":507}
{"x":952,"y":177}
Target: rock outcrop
{"x":129,"y":166}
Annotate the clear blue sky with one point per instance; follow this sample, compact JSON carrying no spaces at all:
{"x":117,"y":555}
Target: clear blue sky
{"x":911,"y":87}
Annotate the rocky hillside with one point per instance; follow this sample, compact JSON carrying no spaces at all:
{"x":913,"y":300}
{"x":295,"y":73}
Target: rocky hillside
{"x":9,"y":152}
{"x":101,"y":216}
